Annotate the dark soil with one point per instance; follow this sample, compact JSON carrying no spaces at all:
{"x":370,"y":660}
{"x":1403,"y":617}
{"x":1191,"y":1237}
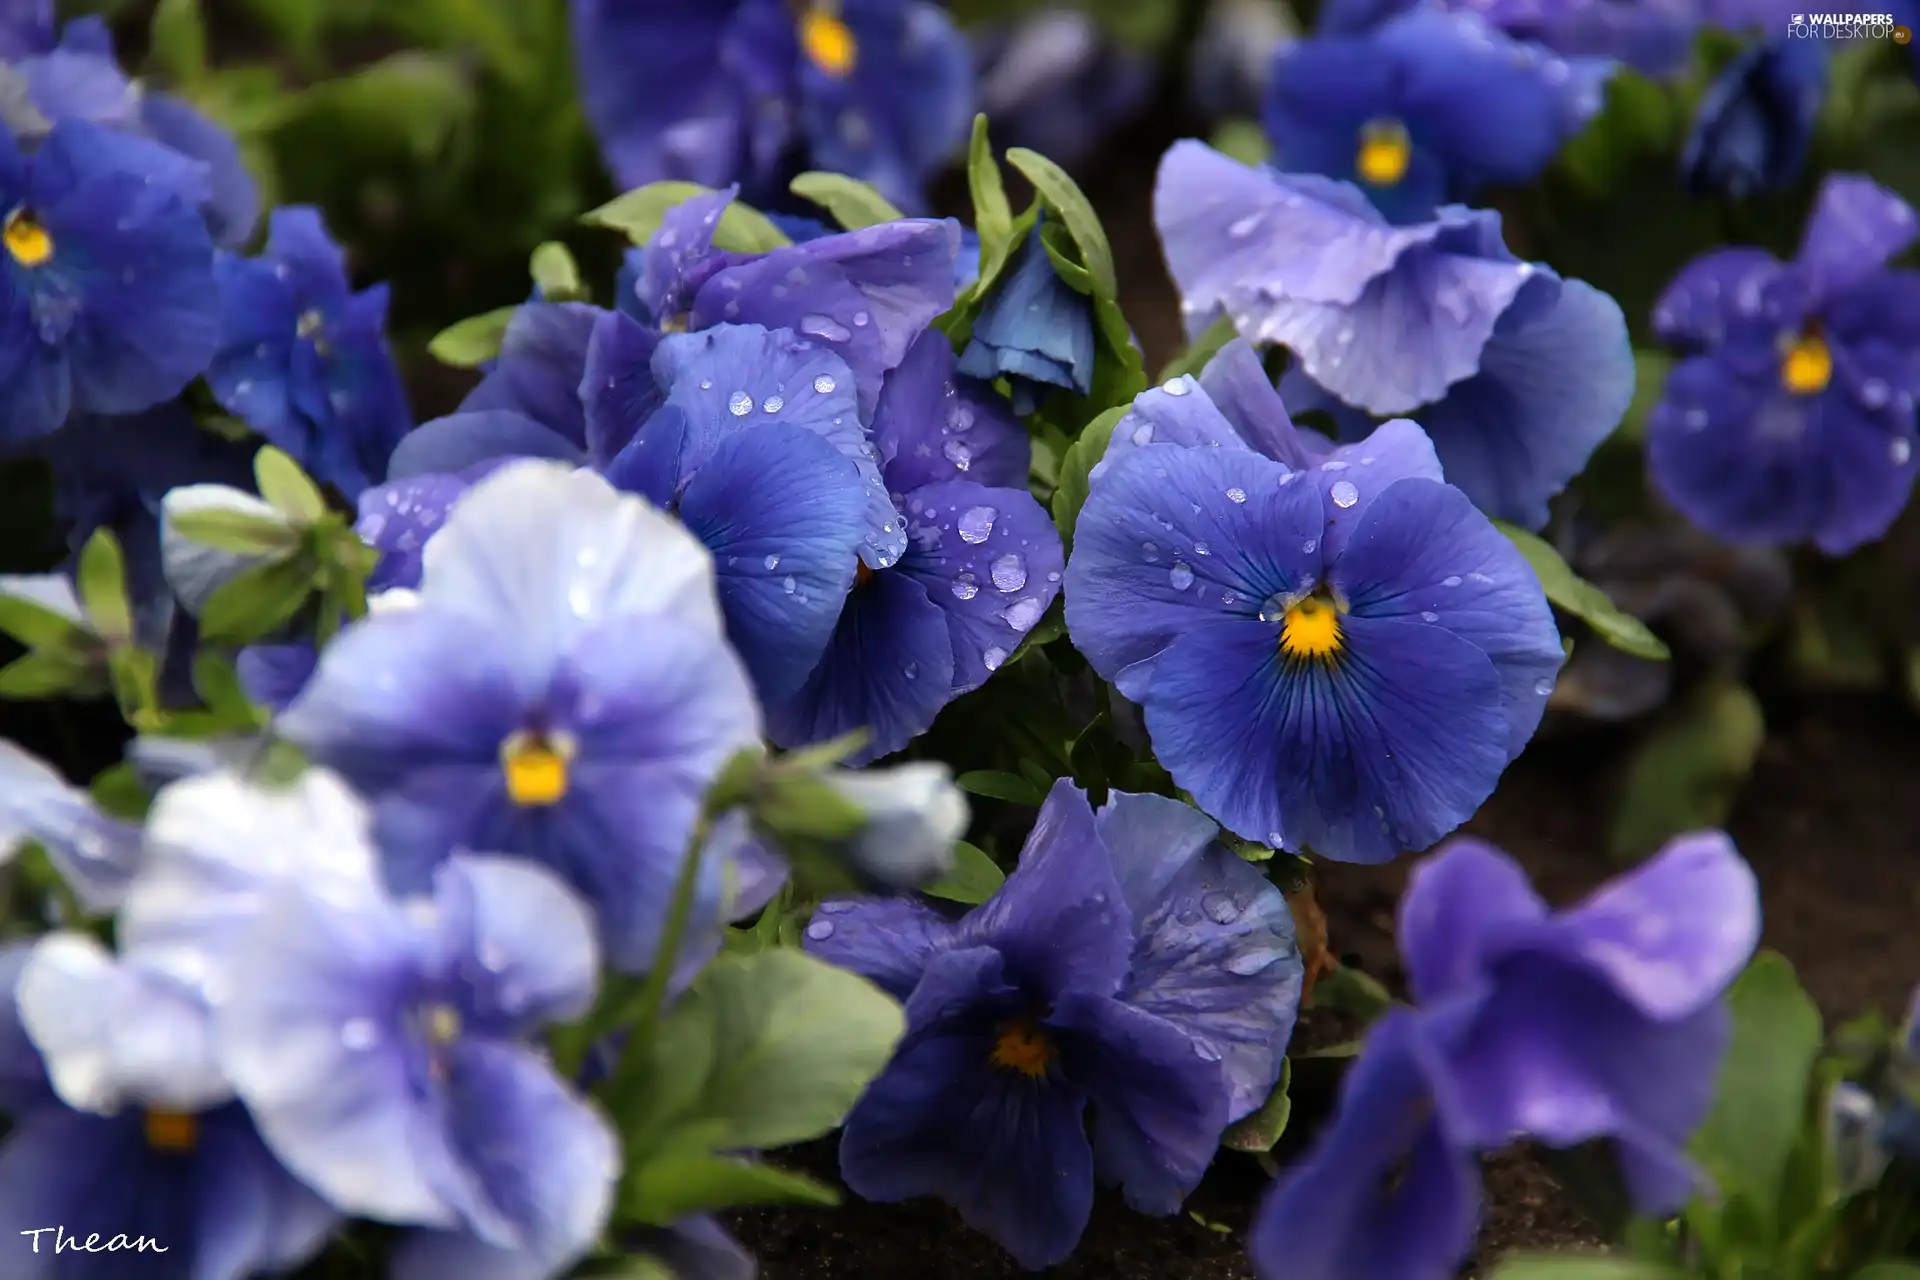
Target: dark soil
{"x":1829,"y":824}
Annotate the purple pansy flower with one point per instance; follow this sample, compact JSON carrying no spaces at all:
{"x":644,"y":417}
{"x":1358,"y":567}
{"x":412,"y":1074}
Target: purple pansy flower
{"x":1333,"y":649}
{"x":303,"y":360}
{"x":1429,"y":107}
{"x":1755,"y":124}
{"x":124,"y":1130}
{"x":982,"y":564}
{"x":751,"y":91}
{"x":1516,"y":374}
{"x":97,"y":855}
{"x":1128,"y":962}
{"x":1034,"y":330}
{"x":1654,"y":37}
{"x":1602,"y":1021}
{"x":509,"y":709}
{"x":1792,"y":417}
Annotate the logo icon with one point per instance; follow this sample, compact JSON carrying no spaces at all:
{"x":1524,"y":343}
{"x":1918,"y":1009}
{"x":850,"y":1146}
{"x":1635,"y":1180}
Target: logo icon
{"x":1902,"y":35}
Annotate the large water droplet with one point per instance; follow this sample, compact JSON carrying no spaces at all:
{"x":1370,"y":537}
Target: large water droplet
{"x":1344,"y":494}
{"x":740,"y":404}
{"x":1333,"y":464}
{"x":1180,"y":576}
{"x":958,"y":454}
{"x":1543,"y":686}
{"x":1143,"y":434}
{"x":994,"y":657}
{"x":787,"y":584}
{"x":836,"y":908}
{"x":966,"y":586}
{"x":1900,"y":450}
{"x":820,"y":930}
{"x":1274,"y":610}
{"x":824,"y":384}
{"x":772,"y":562}
{"x":1248,"y":963}
{"x":1429,"y":616}
{"x":1150,"y":552}
{"x":860,"y":319}
{"x":1202,"y":549}
{"x":1022,"y":614}
{"x":1245,"y":226}
{"x":1451,"y":580}
{"x":1236,"y":494}
{"x":772,"y":404}
{"x":1010,"y":572}
{"x":825,"y":328}
{"x":976,"y":524}
{"x":1178,"y":386}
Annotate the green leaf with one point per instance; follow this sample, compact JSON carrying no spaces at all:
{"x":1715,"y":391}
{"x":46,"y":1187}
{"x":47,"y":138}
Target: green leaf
{"x":1259,"y":1131}
{"x":662,"y":1192}
{"x":795,"y":1042}
{"x":1243,"y":140}
{"x":975,"y":877}
{"x":470,"y":343}
{"x":288,"y":488}
{"x":1082,"y":457}
{"x":638,"y":214}
{"x":1571,"y":1266}
{"x":417,"y":100}
{"x":38,"y":627}
{"x":854,"y":204}
{"x":556,"y":274}
{"x":1584,"y":600}
{"x":102,"y":588}
{"x":1889,"y":1271}
{"x":177,"y":41}
{"x":117,"y":790}
{"x":1348,"y":990}
{"x":1761,"y":1098}
{"x":992,"y":215}
{"x":47,"y":675}
{"x":1203,"y":349}
{"x":1687,"y":770}
{"x":998,"y":785}
{"x":1063,"y":195}
{"x":257,"y":602}
{"x":1650,"y":369}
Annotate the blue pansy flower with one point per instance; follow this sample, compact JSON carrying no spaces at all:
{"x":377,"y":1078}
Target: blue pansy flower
{"x":542,"y":361}
{"x":110,"y":275}
{"x":509,"y":709}
{"x":982,"y":564}
{"x":304,"y":360}
{"x":1604,"y":1021}
{"x":1516,"y":374}
{"x":966,"y":263}
{"x":1333,"y":649}
{"x":1034,"y":330}
{"x":864,"y":295}
{"x":1792,"y":417}
{"x":1654,"y":37}
{"x":1053,"y":81}
{"x":1430,"y":106}
{"x":133,"y":1136}
{"x":80,"y":78}
{"x":750,"y":91}
{"x":1756,"y":121}
{"x":1129,"y":963}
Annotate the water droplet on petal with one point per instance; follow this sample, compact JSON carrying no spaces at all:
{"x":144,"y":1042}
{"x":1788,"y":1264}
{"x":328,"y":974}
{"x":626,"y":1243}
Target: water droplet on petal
{"x":1874,"y":393}
{"x":1543,"y":686}
{"x":994,"y":657}
{"x":966,"y":586}
{"x":1010,"y":572}
{"x":1333,"y":464}
{"x":772,"y":562}
{"x":772,"y":404}
{"x":787,"y":584}
{"x":1248,"y":963}
{"x":1236,"y":494}
{"x":1429,"y":616}
{"x":958,"y":454}
{"x":1178,"y":386}
{"x":740,"y":404}
{"x":976,"y":524}
{"x":1275,"y":839}
{"x":1694,"y":419}
{"x":1151,"y":552}
{"x":820,"y":930}
{"x":1310,"y":546}
{"x":1022,"y":614}
{"x":1900,"y":450}
{"x":1343,"y":494}
{"x":706,"y":384}
{"x":860,"y":319}
{"x":1143,"y":434}
{"x":1205,"y":1052}
{"x":1202,"y":549}
{"x":824,"y":384}
{"x":1274,"y":610}
{"x":1245,"y":226}
{"x":911,"y":671}
{"x":1451,"y":580}
{"x":1180,"y":576}
{"x":825,"y":328}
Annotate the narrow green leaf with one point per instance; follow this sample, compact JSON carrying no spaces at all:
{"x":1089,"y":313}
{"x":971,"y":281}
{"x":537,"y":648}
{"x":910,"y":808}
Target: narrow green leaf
{"x":258,"y":602}
{"x":1201,"y":350}
{"x":117,"y":790}
{"x":1070,"y":494}
{"x":992,"y":215}
{"x":638,"y":214}
{"x":975,"y":877}
{"x":1259,"y":1131}
{"x":1761,"y":1098}
{"x":413,"y":102}
{"x":854,"y":204}
{"x":1000,"y":786}
{"x":102,"y":587}
{"x":1244,"y":140}
{"x":46,"y":675}
{"x":470,"y":343}
{"x":796,"y":1041}
{"x":38,"y":627}
{"x":1584,"y":600}
{"x":662,"y":1192}
{"x":1687,"y":771}
{"x":288,"y":488}
{"x":1570,"y":1266}
{"x":556,"y":274}
{"x":1351,"y":991}
{"x":177,"y":41}
{"x":238,"y":529}
{"x":1063,"y":195}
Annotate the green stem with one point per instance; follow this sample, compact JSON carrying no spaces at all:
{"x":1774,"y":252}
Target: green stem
{"x":653,"y":994}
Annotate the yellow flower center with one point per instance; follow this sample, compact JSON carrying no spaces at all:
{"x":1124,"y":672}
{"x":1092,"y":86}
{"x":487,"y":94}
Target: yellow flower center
{"x":1023,"y":1047}
{"x":536,"y":767}
{"x":172,"y":1130}
{"x":861,"y":574}
{"x":1311,"y":629}
{"x":828,"y":44}
{"x":26,"y":239}
{"x":1385,"y":152}
{"x":442,"y":1022}
{"x":1807,"y":365}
